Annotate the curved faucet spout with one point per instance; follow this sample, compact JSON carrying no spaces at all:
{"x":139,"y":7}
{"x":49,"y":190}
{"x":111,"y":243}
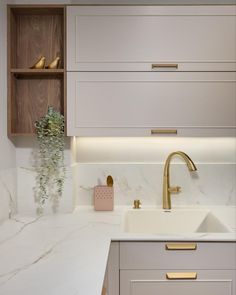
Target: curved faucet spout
{"x":187,"y":159}
{"x":167,"y":190}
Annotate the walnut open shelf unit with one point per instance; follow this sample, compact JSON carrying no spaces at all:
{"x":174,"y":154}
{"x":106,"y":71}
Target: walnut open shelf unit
{"x":34,"y":31}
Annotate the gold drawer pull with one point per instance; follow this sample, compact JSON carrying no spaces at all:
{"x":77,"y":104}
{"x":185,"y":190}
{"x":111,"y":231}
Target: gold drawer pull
{"x":157,"y":66}
{"x":181,"y":275}
{"x":163,"y":131}
{"x":181,"y":246}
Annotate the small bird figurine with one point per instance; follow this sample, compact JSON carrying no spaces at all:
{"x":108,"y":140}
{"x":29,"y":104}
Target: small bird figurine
{"x":40,"y":64}
{"x":54,"y":64}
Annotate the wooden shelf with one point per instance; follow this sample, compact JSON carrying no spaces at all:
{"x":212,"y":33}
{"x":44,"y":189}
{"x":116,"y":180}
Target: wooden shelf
{"x":36,"y":72}
{"x":34,"y":31}
{"x":21,"y":73}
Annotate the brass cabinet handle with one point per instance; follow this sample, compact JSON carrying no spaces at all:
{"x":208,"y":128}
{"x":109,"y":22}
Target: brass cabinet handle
{"x":181,"y":275}
{"x":174,"y":246}
{"x":163,"y":131}
{"x":168,"y":66}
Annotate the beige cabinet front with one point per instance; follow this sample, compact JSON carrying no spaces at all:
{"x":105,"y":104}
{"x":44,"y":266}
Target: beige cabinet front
{"x":153,"y":282}
{"x":145,"y":38}
{"x":155,"y":255}
{"x":182,"y":268}
{"x":135,"y":104}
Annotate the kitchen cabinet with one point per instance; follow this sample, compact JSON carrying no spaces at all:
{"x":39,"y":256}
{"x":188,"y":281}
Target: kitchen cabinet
{"x":152,"y":282}
{"x":141,"y":103}
{"x":113,"y":271}
{"x":145,"y":38}
{"x":151,"y":268}
{"x":151,"y":70}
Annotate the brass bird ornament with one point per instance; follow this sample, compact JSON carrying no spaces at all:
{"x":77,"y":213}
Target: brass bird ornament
{"x":54,"y":64}
{"x":40,"y":64}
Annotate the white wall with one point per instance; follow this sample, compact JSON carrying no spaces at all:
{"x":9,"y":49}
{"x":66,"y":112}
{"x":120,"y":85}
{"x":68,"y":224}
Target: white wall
{"x":7,"y":149}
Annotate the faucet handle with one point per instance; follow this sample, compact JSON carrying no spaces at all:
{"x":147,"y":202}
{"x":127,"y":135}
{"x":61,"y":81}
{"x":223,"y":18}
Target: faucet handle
{"x":174,"y":189}
{"x":137,"y":204}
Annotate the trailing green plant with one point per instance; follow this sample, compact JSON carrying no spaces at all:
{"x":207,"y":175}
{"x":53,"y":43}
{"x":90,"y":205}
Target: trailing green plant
{"x":50,"y":168}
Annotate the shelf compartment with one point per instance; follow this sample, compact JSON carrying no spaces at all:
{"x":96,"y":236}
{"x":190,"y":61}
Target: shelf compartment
{"x":30,"y":100}
{"x":36,"y":32}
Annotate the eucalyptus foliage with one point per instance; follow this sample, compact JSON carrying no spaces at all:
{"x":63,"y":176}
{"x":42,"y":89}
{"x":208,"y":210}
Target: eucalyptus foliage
{"x":50,"y":167}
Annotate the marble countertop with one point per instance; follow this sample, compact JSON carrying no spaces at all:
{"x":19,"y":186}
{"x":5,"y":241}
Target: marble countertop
{"x":67,"y":253}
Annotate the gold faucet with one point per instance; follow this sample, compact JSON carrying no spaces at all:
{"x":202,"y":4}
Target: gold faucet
{"x":167,"y":190}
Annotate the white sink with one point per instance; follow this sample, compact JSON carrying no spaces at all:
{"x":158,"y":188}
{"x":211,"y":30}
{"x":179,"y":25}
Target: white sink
{"x":176,"y":221}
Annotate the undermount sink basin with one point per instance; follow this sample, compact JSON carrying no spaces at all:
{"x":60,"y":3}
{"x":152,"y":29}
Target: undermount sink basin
{"x":176,"y":221}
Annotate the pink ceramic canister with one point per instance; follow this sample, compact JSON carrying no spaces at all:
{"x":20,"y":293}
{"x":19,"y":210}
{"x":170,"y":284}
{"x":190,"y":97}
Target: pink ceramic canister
{"x":104,"y":196}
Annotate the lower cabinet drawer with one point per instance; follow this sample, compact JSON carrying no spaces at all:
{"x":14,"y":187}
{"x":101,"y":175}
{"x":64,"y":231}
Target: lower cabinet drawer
{"x":155,"y":255}
{"x":153,"y":282}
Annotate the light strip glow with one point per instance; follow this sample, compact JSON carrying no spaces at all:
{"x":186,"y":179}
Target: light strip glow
{"x":152,"y":150}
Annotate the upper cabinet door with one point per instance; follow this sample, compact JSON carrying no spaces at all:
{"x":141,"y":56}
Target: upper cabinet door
{"x":151,"y":38}
{"x":145,"y":104}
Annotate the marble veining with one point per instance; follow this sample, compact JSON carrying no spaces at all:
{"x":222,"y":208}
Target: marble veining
{"x":7,"y":193}
{"x":212,"y":184}
{"x":24,"y":225}
{"x":25,"y":192}
{"x":62,"y":254}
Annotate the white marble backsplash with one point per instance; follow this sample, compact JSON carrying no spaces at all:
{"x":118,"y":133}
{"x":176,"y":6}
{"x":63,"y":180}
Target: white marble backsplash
{"x":25,"y":193}
{"x":212,"y":184}
{"x":26,"y":161}
{"x":7,"y":148}
{"x":8,"y":199}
